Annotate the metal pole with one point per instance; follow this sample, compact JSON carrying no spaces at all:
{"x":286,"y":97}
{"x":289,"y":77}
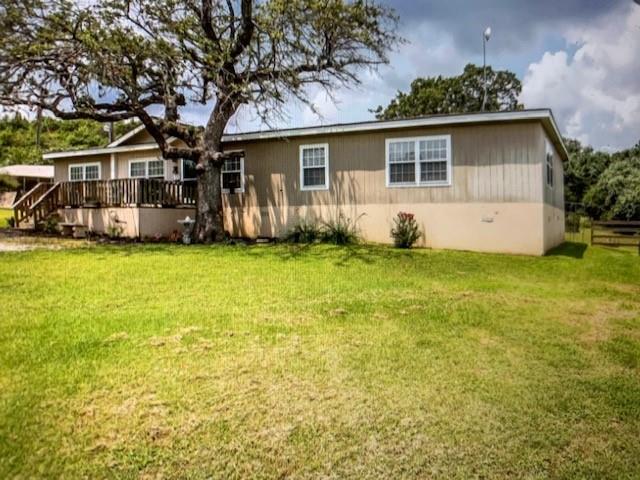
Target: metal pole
{"x":484,"y":70}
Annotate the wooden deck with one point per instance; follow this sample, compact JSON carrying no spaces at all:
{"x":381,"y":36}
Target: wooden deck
{"x":125,"y":192}
{"x":44,"y":199}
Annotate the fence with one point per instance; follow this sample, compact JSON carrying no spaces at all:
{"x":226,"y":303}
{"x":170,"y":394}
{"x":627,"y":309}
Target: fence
{"x":616,"y":234}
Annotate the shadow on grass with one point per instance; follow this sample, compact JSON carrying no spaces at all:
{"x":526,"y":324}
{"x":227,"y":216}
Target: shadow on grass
{"x":341,"y":254}
{"x":569,"y":249}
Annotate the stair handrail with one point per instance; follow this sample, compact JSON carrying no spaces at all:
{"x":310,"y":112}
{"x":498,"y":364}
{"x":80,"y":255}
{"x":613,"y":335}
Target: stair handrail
{"x":44,"y":196}
{"x":24,"y":197}
{"x":36,"y":210}
{"x":21,"y":208}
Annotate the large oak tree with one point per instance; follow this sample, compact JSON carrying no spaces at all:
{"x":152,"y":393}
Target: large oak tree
{"x":110,"y":60}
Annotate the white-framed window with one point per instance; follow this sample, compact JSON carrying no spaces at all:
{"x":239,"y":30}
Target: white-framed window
{"x":79,"y":172}
{"x":418,"y":161}
{"x":549,"y":166}
{"x":314,"y":167}
{"x":152,"y":168}
{"x":233,"y":174}
{"x":188,"y":173}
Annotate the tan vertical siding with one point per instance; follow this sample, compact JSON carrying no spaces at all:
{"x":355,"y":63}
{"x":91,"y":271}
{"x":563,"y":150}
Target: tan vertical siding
{"x":492,"y":163}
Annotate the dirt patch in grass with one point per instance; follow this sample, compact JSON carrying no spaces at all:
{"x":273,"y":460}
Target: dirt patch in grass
{"x":596,"y":321}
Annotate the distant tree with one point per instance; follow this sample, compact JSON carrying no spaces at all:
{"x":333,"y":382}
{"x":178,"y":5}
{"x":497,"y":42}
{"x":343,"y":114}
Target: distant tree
{"x":18,"y":137}
{"x":110,"y":60}
{"x":460,"y":94}
{"x":616,"y":194}
{"x":582,"y":170}
{"x":8,"y":183}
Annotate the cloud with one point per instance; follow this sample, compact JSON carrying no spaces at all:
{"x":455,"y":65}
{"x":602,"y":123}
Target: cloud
{"x":594,"y":91}
{"x":519,"y":22}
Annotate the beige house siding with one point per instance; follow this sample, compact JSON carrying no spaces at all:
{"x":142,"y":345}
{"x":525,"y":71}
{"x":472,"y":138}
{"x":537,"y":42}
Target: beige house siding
{"x":497,"y":201}
{"x":553,"y":213}
{"x":493,"y":163}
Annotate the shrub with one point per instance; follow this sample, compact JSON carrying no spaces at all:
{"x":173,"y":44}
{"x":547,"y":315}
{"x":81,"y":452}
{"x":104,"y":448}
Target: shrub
{"x":340,"y":231}
{"x":51,"y":224}
{"x":303,"y":232}
{"x":406,"y":231}
{"x":572,"y":223}
{"x":115,"y":230}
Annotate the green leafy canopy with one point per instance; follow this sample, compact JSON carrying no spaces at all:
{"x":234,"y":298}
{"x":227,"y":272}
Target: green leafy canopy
{"x":459,"y":94}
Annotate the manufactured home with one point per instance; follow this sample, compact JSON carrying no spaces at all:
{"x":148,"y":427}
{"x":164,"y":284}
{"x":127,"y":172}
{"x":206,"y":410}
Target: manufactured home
{"x":490,"y":182}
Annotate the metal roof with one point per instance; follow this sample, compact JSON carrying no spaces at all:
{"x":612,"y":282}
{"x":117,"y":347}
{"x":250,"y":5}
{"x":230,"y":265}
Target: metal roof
{"x":543,"y":115}
{"x":28,"y":171}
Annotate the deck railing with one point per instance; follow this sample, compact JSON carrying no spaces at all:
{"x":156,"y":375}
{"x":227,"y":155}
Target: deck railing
{"x":126,"y":192}
{"x":22,"y":207}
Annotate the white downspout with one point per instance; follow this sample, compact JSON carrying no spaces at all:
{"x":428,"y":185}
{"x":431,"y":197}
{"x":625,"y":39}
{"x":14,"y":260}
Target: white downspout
{"x":113,"y":166}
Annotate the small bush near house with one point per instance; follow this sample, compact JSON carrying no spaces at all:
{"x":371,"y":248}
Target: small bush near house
{"x":406,"y":231}
{"x":341,"y":231}
{"x":303,"y":232}
{"x":115,"y":230}
{"x":51,"y":224}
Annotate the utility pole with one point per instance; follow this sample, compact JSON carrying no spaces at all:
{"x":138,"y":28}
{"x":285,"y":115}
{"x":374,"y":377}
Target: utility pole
{"x":485,"y":38}
{"x":108,"y":127}
{"x":38,"y":127}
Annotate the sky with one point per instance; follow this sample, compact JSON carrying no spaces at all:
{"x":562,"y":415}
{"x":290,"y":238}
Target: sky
{"x":581,"y":58}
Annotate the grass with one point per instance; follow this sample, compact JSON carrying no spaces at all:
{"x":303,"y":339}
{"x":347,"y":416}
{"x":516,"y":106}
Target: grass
{"x":5,"y":215}
{"x":304,"y":362}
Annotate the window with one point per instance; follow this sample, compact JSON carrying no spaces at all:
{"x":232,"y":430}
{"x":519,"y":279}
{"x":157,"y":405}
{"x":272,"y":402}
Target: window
{"x":419,"y":161}
{"x":233,"y":174}
{"x":146,"y":168}
{"x":138,"y":169}
{"x":155,"y":169}
{"x":314,"y":167}
{"x":549,"y":166}
{"x":84,"y":172}
{"x":189,"y":173}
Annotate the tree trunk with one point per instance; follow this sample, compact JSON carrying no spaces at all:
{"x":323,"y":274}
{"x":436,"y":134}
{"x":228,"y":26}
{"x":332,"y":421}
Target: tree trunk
{"x":209,"y":225}
{"x":209,"y":216}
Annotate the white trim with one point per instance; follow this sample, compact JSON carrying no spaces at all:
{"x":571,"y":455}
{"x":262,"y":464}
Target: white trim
{"x":549,"y":153}
{"x":417,"y":161}
{"x":146,"y":167}
{"x":84,"y":171}
{"x":126,"y":136}
{"x":302,"y":148}
{"x":105,"y":151}
{"x":544,"y":115}
{"x":113,"y":166}
{"x":237,"y":190}
{"x":99,"y":151}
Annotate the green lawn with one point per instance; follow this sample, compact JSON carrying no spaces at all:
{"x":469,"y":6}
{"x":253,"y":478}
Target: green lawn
{"x":5,"y":214}
{"x":322,"y":362}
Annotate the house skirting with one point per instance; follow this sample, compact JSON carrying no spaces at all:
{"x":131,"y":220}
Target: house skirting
{"x":129,"y":222}
{"x":519,"y":228}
